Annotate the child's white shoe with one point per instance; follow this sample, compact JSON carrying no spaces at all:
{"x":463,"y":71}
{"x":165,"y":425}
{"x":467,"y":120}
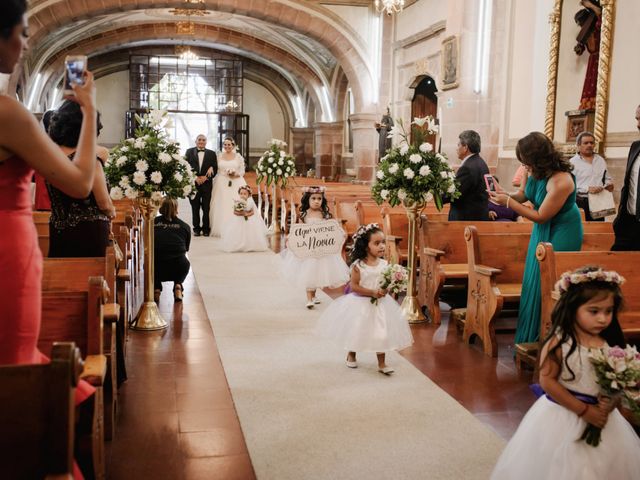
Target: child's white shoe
{"x":386,"y":370}
{"x":316,"y":300}
{"x":310,"y":304}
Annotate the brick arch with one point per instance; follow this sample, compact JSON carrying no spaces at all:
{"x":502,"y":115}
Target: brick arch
{"x":303,"y":17}
{"x":121,"y":37}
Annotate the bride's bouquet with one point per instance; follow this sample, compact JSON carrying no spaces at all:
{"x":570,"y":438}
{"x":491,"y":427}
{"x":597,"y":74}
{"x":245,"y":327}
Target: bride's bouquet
{"x":618,"y":375}
{"x":394,"y":279}
{"x":240,"y":206}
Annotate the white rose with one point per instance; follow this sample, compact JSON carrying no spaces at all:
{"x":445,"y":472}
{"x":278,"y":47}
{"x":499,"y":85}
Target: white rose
{"x":394,"y":168}
{"x":157,"y":196}
{"x":451,"y":189}
{"x":178,"y":176}
{"x":139,"y":143}
{"x":282,"y":154}
{"x":131,"y":194}
{"x":271,"y":160}
{"x":444,"y":174}
{"x":415,"y":158}
{"x":139,"y":178}
{"x":116,"y":193}
{"x":270,"y":170}
{"x":452,"y":175}
{"x":281,"y":162}
{"x":121,"y":161}
{"x":164,"y":157}
{"x":131,"y":140}
{"x":271,"y":154}
{"x":425,"y":170}
{"x":142,"y":166}
{"x":408,"y":173}
{"x":278,"y":172}
{"x":404,"y":149}
{"x":384,"y":194}
{"x":428,"y":197}
{"x":402,"y":195}
{"x":186,"y":189}
{"x":124,"y":181}
{"x":177,"y":156}
{"x":426,"y":147}
{"x":156,"y":177}
{"x":441,"y":157}
{"x":380,"y":174}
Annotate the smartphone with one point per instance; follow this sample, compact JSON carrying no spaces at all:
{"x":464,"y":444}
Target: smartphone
{"x":490,"y":182}
{"x":74,"y":68}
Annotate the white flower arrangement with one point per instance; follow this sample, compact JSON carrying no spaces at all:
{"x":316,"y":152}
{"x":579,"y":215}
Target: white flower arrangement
{"x":414,"y":173}
{"x":275,"y":165}
{"x":149,"y":165}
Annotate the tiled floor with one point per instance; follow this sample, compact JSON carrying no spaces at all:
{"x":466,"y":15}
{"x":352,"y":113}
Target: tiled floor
{"x":176,"y":415}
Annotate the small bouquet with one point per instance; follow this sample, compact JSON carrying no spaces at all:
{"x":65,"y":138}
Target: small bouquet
{"x":618,"y":374}
{"x":240,"y":206}
{"x":230,"y":173}
{"x":394,"y":279}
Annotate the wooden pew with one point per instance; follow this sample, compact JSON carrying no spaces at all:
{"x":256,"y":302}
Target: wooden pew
{"x":443,"y":257}
{"x":496,"y":266}
{"x":37,"y":416}
{"x":77,"y":316}
{"x":70,"y":275}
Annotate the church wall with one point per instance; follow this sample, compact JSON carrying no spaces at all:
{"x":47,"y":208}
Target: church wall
{"x":266,"y":120}
{"x":112,"y":98}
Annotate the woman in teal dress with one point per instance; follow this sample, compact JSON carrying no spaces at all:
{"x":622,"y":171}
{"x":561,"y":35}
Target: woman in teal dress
{"x":551,"y":188}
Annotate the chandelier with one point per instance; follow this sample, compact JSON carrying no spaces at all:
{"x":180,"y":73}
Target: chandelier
{"x":185,"y":53}
{"x":389,"y":6}
{"x":191,"y":7}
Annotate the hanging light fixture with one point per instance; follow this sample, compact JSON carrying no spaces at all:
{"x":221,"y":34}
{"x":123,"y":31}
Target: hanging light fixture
{"x":184,"y":53}
{"x":389,"y":6}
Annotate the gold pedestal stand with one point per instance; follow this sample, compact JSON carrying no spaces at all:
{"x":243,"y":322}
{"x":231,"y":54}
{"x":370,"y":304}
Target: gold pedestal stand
{"x":410,"y":306}
{"x":149,"y":317}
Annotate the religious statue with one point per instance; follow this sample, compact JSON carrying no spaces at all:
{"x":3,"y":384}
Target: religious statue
{"x":589,"y":19}
{"x":383,"y":129}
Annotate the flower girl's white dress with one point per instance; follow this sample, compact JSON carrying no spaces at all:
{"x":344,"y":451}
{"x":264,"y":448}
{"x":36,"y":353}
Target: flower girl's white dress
{"x":327,"y":271}
{"x":250,"y":235}
{"x":547,"y":443}
{"x":357,"y":325}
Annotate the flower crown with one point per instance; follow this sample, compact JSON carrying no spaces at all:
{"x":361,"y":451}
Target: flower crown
{"x":247,"y":188}
{"x":363,"y":230}
{"x":574,"y":278}
{"x":314,"y":190}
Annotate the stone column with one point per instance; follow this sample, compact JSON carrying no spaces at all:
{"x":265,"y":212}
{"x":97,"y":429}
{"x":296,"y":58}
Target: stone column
{"x":301,"y":147}
{"x":365,"y":145}
{"x":328,"y":149}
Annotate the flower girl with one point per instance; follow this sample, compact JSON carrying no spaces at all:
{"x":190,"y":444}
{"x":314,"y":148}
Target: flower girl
{"x":245,"y":232}
{"x":314,"y":273}
{"x":548,"y":444}
{"x":355,"y":321}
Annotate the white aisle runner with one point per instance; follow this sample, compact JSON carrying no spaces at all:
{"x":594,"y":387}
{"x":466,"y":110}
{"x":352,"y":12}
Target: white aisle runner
{"x":304,"y":414}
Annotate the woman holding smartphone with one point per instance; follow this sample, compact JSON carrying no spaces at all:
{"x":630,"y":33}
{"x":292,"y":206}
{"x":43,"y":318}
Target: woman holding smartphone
{"x":25,"y":147}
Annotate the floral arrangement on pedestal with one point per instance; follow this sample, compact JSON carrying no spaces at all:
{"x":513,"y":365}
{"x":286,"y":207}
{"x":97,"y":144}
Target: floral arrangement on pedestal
{"x":149,"y":165}
{"x":275,"y":166}
{"x":413,"y":173}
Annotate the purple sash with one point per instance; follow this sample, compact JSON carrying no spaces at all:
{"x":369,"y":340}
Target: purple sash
{"x":538,"y":392}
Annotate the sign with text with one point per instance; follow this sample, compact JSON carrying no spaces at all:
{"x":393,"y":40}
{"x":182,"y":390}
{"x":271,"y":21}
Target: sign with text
{"x":315,"y":240}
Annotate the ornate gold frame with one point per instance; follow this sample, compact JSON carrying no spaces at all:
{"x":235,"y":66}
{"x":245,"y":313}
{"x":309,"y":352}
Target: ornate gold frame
{"x":604,"y":70}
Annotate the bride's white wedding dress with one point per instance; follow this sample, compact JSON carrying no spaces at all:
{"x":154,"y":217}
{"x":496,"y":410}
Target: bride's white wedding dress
{"x":225,"y":191}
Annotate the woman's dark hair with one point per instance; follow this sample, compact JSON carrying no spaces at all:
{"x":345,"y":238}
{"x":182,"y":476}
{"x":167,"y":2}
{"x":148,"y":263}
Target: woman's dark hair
{"x":46,"y":119}
{"x":66,"y":123}
{"x":537,"y":151}
{"x":169,"y":208}
{"x":233,"y":142}
{"x":360,"y":246}
{"x":11,"y":13}
{"x":304,"y":205}
{"x":564,"y":315}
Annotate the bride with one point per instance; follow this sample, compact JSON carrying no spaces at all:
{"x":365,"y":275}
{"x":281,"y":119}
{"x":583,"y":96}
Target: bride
{"x":225,"y":186}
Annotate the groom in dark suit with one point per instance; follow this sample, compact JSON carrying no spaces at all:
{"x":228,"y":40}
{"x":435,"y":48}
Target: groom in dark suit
{"x":205,"y":165}
{"x":626,"y":226}
{"x":473,"y":201}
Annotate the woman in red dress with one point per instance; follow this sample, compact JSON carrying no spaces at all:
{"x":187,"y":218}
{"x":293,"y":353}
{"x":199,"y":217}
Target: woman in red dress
{"x":24,"y":147}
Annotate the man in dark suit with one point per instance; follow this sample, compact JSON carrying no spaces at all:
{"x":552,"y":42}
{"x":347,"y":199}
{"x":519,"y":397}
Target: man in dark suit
{"x":205,"y":165}
{"x":626,"y":226}
{"x":473,"y":201}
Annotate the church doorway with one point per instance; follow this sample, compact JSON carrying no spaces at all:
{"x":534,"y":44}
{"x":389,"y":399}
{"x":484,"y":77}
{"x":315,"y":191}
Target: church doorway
{"x":424,"y":101}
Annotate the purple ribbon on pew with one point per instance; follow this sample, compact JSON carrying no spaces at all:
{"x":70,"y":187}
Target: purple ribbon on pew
{"x":538,"y":391}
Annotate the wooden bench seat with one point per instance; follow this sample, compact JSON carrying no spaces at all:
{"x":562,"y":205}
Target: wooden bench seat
{"x":37,"y":416}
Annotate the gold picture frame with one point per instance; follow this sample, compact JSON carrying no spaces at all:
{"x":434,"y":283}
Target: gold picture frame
{"x":450,"y":63}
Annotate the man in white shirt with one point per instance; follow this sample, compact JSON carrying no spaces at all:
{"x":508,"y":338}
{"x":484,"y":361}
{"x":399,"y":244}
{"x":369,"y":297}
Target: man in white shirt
{"x":626,"y":226}
{"x":590,"y":171}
